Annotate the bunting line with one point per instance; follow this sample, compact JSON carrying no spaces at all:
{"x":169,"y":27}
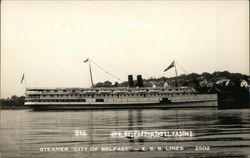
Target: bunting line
{"x":104,"y":70}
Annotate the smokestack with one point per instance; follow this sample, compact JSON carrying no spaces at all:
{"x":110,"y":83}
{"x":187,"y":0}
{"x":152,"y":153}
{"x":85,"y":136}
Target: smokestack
{"x":130,"y":81}
{"x":139,"y":81}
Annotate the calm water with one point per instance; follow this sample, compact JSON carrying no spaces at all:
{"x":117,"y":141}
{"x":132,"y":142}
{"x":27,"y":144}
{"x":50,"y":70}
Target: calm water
{"x":24,"y":132}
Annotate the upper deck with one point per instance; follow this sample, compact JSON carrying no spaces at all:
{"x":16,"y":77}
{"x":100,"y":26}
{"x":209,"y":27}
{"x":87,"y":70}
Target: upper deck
{"x":109,"y":90}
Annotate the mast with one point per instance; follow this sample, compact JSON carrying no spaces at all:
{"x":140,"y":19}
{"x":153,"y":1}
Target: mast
{"x":90,"y":71}
{"x":176,"y":75}
{"x":91,"y":77}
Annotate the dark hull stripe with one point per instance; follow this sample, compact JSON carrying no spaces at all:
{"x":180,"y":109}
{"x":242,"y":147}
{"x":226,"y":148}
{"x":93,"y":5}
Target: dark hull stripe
{"x":124,"y":106}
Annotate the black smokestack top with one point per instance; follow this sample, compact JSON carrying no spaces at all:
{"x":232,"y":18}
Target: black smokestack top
{"x":130,"y":81}
{"x":139,"y":81}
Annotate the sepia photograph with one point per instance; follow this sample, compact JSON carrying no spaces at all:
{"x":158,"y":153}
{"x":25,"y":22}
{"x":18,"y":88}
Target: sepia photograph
{"x":123,"y":78}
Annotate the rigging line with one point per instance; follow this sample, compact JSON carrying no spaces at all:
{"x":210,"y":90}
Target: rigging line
{"x":181,"y":67}
{"x":59,"y":73}
{"x":105,"y":70}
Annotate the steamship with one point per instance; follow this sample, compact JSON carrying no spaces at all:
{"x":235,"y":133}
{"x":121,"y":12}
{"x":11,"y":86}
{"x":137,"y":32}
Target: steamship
{"x":117,"y":97}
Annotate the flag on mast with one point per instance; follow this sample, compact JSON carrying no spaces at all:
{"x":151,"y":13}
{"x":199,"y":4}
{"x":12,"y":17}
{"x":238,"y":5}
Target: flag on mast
{"x":170,"y":66}
{"x":22,"y":79}
{"x":86,"y":60}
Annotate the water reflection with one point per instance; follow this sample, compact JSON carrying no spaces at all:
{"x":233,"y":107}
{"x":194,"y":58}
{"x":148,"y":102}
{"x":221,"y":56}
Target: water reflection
{"x":229,"y":119}
{"x":135,"y":122}
{"x":24,"y":132}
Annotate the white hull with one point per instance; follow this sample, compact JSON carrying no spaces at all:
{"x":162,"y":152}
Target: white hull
{"x":133,"y":102}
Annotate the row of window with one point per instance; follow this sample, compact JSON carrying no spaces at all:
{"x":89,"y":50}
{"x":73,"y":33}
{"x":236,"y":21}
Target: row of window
{"x":103,"y":95}
{"x":61,"y":100}
{"x":108,"y":90}
{"x":65,"y":100}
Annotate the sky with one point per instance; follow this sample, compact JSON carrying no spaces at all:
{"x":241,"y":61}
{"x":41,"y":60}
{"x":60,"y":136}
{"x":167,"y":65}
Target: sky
{"x":49,"y":40}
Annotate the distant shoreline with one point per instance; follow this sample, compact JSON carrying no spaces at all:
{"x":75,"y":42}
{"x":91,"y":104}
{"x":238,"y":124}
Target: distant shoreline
{"x":14,"y":102}
{"x":13,"y":107}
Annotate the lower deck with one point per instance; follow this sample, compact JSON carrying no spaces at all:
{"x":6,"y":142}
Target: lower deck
{"x":116,"y":103}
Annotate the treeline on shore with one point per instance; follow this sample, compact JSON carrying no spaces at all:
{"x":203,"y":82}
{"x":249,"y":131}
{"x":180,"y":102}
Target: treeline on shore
{"x":183,"y":79}
{"x":13,"y":102}
{"x":202,"y":82}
